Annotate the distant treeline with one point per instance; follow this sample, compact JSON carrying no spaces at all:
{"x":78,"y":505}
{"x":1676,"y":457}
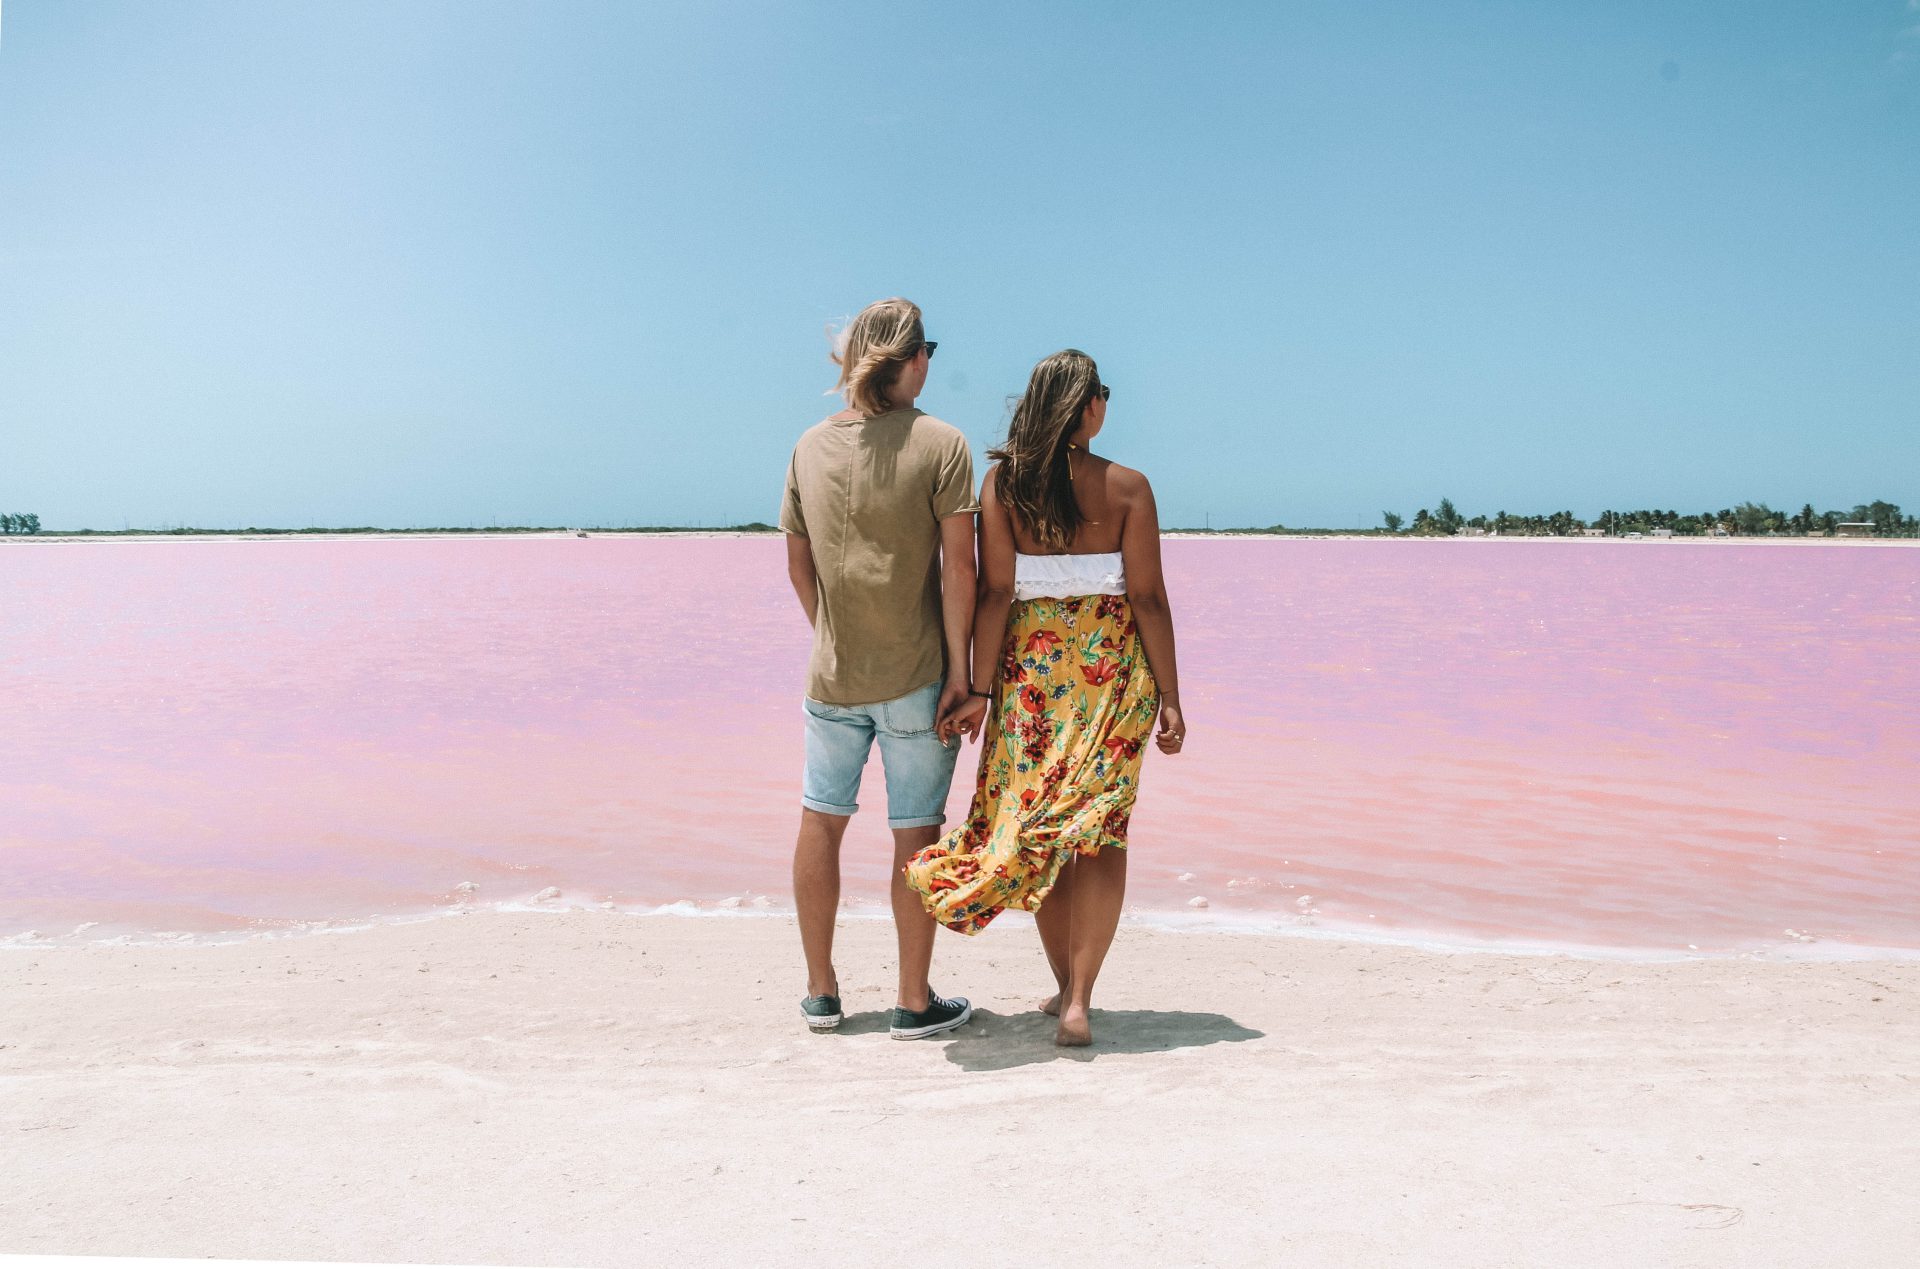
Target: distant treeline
{"x":182,"y":531}
{"x":1749,"y":519}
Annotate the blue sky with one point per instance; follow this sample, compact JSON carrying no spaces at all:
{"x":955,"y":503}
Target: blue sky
{"x":412,"y":264}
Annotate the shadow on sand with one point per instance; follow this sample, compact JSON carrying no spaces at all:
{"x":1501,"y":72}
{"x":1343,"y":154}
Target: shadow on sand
{"x":996,"y":1042}
{"x":873,"y":1022}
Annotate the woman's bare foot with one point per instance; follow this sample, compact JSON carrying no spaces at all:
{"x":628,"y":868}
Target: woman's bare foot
{"x":1075,"y":1030}
{"x":1051,"y":1005}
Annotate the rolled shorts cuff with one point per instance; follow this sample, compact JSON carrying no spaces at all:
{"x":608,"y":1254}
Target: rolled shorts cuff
{"x":923,"y":821}
{"x":828,"y":808}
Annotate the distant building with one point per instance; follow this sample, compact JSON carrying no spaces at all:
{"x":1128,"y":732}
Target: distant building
{"x":1468,"y":531}
{"x":1853,"y":529}
{"x":1593,"y":533}
{"x":1663,"y":533}
{"x":1720,"y":531}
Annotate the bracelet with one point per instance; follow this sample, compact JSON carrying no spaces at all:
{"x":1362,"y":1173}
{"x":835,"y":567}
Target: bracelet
{"x":988,"y":695}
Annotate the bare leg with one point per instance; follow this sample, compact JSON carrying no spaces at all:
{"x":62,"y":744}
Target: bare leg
{"x":1099,"y":887}
{"x":910,"y":918}
{"x":1055,"y":919}
{"x":816,"y":894}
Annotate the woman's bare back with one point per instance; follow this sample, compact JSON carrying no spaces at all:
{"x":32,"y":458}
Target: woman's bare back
{"x":1100,"y":488}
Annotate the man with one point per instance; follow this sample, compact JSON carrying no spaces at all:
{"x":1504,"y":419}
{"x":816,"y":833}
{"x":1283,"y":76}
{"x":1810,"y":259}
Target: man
{"x":879,"y":517}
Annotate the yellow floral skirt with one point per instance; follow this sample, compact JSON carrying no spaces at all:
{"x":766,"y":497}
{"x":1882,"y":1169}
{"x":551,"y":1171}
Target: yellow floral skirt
{"x":1073,"y":708}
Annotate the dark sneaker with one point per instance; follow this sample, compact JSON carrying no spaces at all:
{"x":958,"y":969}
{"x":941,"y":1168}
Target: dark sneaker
{"x":821,"y":1012}
{"x":939,"y":1015}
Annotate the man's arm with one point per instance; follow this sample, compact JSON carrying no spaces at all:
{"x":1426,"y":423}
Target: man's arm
{"x":958,"y":577}
{"x":805,"y":578}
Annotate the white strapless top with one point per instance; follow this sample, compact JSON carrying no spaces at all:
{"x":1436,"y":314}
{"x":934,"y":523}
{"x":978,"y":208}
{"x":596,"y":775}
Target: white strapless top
{"x":1058,"y":576}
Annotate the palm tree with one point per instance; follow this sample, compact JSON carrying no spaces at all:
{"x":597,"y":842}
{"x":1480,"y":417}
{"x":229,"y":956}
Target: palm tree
{"x":1885,"y":516}
{"x":1392,"y":520}
{"x":1752,"y":517}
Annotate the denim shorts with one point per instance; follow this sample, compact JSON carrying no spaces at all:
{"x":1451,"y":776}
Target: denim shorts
{"x":918,"y":766}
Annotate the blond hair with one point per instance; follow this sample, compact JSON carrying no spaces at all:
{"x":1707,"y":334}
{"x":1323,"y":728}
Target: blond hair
{"x":873,"y":348}
{"x":1033,"y":478}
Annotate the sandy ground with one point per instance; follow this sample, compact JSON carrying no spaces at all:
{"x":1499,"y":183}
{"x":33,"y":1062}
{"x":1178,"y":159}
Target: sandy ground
{"x":599,"y":1089}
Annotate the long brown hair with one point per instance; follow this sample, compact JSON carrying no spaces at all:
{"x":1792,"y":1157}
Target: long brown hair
{"x":873,"y":349}
{"x":1033,"y":478}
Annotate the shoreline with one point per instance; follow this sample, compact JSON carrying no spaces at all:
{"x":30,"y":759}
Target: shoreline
{"x":1236,"y":535}
{"x":1276,"y":926}
{"x":510,"y":1089}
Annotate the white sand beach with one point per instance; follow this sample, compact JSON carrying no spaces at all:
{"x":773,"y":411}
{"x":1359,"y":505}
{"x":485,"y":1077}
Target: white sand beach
{"x":604,"y":1090}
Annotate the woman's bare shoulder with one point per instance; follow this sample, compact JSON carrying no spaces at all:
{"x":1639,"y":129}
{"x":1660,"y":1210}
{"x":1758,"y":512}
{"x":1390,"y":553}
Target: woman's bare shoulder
{"x":1126,"y":482}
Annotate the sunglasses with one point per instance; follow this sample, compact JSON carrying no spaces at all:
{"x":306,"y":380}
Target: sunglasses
{"x":1103,"y":391}
{"x":928,"y":345}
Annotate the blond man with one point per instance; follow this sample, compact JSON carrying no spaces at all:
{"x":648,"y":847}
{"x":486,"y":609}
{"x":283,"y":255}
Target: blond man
{"x":879,"y":517}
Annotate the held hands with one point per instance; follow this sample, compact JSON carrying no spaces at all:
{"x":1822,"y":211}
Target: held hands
{"x":1173,"y":727}
{"x":960,"y":713}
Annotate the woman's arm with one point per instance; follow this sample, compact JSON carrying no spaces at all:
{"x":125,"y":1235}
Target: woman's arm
{"x":1147,"y":592}
{"x":996,"y":586}
{"x":994,"y":601}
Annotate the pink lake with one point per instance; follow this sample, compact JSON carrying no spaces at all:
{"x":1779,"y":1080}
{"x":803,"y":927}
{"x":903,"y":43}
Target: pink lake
{"x":1611,"y":748}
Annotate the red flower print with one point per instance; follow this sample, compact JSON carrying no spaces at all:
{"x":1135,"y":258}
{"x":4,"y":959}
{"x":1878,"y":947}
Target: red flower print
{"x":1122,"y":747}
{"x":1042,"y":641}
{"x":1099,"y":672}
{"x":1032,"y":699}
{"x":1026,"y":798}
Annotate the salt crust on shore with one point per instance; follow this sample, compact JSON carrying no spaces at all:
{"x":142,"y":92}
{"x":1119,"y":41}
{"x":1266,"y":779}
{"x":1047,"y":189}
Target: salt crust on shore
{"x":592,"y":1089}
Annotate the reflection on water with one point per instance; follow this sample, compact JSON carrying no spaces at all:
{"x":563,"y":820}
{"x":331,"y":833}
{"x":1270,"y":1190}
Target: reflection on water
{"x":1630,"y":746}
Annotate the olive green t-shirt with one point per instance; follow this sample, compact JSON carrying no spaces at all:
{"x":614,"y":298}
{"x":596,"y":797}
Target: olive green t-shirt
{"x":868,"y":494}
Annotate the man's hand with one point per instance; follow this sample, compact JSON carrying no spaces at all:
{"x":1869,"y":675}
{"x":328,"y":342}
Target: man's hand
{"x":960,"y":711}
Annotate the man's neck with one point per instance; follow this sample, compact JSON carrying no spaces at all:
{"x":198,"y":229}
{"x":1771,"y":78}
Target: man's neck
{"x":854,"y":412}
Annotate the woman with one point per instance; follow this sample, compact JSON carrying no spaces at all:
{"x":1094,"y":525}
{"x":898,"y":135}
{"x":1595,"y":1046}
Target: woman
{"x":1073,"y":649}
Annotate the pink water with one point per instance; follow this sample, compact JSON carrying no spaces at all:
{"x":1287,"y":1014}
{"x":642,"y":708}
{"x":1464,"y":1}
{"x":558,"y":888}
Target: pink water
{"x":1635,"y":747}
